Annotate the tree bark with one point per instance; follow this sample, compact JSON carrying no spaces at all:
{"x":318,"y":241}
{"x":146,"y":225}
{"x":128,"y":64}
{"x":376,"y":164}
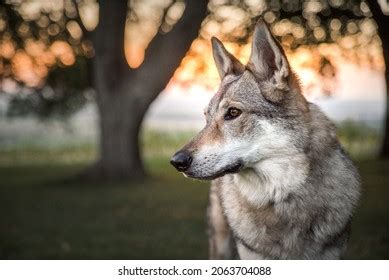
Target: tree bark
{"x":383,"y":23}
{"x":124,"y":94}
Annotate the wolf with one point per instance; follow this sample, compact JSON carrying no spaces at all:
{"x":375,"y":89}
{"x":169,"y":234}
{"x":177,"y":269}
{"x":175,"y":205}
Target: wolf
{"x":283,"y":187}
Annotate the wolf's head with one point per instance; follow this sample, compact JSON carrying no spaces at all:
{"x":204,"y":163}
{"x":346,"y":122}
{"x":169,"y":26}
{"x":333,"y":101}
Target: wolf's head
{"x":258,"y":112}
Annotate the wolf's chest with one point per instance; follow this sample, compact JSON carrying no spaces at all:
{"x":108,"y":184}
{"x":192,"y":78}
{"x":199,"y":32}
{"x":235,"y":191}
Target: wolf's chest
{"x":264,"y":230}
{"x":247,"y":221}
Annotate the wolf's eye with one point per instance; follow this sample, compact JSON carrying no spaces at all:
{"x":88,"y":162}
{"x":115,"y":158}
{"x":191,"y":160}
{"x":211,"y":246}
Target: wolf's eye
{"x":232,"y":113}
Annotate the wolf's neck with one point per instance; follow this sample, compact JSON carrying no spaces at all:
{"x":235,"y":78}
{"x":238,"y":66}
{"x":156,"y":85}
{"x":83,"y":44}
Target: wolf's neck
{"x":272,"y":180}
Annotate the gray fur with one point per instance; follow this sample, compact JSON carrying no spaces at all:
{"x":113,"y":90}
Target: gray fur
{"x":283,"y":187}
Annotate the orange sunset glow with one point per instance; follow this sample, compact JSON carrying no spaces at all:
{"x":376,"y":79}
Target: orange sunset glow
{"x":198,"y":67}
{"x":31,"y":66}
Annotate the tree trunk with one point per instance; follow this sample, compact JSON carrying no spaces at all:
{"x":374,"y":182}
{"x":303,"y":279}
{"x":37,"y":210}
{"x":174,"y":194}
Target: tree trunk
{"x":383,"y":23}
{"x":120,"y":121}
{"x":124,"y":94}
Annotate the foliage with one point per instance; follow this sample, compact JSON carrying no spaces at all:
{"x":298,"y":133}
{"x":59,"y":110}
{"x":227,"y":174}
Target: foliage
{"x":320,"y":34}
{"x":296,"y":22}
{"x":359,"y":139}
{"x":350,"y":131}
{"x":44,"y":54}
{"x":64,"y":93}
{"x":37,"y":37}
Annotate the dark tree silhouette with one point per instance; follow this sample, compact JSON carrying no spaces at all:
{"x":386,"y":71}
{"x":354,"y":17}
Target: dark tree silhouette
{"x":123,"y":94}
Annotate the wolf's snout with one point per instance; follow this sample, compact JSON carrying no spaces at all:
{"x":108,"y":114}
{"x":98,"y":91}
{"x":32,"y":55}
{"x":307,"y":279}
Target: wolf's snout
{"x":181,"y":160}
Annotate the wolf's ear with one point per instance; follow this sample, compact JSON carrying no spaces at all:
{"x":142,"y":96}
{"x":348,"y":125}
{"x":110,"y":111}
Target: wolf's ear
{"x":268,"y":62}
{"x":226,"y":63}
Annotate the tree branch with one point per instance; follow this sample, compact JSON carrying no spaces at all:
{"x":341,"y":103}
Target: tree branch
{"x":165,"y":52}
{"x":86,"y":33}
{"x":334,"y":13}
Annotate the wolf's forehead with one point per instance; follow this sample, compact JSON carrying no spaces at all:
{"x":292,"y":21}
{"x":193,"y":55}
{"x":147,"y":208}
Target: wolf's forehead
{"x":226,"y":83}
{"x":243,"y":89}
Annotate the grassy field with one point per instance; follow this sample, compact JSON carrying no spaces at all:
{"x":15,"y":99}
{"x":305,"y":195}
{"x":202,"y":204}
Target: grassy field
{"x":46,"y":216}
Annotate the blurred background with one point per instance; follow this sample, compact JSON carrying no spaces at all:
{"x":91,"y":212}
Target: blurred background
{"x":95,"y":96}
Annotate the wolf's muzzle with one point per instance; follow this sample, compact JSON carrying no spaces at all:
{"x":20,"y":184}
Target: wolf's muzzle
{"x":181,"y":160}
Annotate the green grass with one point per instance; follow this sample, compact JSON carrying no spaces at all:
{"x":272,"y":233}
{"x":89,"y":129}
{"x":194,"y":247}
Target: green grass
{"x":45,"y":216}
{"x":370,"y":228}
{"x":359,"y":139}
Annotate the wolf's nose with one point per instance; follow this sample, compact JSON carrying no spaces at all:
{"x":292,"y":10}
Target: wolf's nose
{"x":181,"y":160}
